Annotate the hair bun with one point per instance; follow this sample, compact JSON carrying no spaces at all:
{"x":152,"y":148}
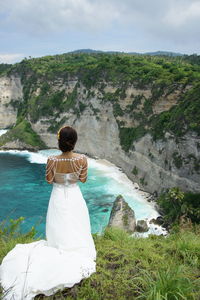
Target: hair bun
{"x":67,"y":137}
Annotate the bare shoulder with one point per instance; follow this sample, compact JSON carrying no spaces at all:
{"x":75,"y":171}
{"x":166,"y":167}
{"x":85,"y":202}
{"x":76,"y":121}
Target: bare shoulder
{"x":51,"y":158}
{"x":75,"y":156}
{"x":81,"y":159}
{"x":79,"y":156}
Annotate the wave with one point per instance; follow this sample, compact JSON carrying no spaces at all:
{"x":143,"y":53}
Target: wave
{"x":39,"y":157}
{"x":118,"y":183}
{"x":2,"y":131}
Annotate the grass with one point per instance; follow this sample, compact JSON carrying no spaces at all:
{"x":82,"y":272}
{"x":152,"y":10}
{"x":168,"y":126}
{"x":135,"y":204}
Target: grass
{"x":24,"y":133}
{"x":154,"y":268}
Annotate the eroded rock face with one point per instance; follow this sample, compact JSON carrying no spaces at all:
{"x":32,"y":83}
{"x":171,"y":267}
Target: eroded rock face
{"x":10,"y":96}
{"x":153,"y":165}
{"x":122,"y":216}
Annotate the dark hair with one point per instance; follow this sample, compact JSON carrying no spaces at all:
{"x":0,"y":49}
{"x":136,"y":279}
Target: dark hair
{"x":67,"y":138}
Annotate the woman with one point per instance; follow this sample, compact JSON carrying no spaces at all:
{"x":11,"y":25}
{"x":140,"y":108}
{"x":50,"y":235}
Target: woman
{"x":68,"y":254}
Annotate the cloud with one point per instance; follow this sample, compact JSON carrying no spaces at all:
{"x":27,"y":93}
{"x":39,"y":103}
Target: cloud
{"x":169,"y":24}
{"x":183,"y":15}
{"x":50,"y":16}
{"x":177,"y":21}
{"x":10,"y":58}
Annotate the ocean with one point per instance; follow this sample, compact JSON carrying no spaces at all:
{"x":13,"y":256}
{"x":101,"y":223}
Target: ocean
{"x":24,"y":191}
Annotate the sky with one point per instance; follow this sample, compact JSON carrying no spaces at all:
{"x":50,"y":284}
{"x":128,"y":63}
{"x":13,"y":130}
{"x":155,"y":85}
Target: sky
{"x":46,"y":27}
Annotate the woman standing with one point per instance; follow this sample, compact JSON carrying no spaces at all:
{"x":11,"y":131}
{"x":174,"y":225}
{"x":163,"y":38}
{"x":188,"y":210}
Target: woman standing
{"x":68,"y":254}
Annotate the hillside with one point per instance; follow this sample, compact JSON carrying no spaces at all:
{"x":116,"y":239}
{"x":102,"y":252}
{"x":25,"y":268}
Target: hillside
{"x":129,"y":268}
{"x":140,"y":112}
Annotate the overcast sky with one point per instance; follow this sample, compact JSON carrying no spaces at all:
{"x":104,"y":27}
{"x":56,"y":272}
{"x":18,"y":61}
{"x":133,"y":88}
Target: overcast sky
{"x":42,"y":27}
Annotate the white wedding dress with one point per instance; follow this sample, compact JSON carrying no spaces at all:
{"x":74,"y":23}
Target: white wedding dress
{"x":64,"y":258}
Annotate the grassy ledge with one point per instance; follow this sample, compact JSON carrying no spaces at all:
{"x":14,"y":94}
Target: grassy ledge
{"x":154,"y":268}
{"x":24,"y":133}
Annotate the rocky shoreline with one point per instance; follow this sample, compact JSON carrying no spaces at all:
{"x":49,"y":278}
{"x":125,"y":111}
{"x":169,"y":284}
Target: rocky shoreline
{"x":123,"y":179}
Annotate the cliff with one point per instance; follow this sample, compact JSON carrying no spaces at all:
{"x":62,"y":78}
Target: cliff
{"x":140,"y":113}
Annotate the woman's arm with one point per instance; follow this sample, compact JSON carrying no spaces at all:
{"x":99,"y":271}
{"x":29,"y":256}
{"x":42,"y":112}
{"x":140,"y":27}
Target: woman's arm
{"x":84,"y":169}
{"x":50,"y":170}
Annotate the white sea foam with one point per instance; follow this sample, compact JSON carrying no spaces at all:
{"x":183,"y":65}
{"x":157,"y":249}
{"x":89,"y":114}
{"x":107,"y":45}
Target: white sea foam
{"x":119,"y":184}
{"x":153,"y":229}
{"x":123,"y":185}
{"x":2,"y":131}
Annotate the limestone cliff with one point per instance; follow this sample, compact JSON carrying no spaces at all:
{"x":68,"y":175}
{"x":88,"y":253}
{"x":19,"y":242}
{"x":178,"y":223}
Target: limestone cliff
{"x":10,"y":95}
{"x":114,"y":121}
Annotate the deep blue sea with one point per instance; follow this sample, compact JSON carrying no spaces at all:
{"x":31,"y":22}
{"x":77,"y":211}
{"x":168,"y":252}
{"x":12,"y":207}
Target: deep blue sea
{"x":24,"y":191}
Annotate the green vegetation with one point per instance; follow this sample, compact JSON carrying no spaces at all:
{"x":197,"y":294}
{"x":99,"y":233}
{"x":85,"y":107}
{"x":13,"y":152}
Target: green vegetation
{"x":128,"y":135}
{"x":4,"y":68}
{"x":45,"y":105}
{"x":117,"y":111}
{"x":177,"y":205}
{"x":183,"y":117}
{"x":177,"y":159}
{"x":135,"y":103}
{"x":24,"y":133}
{"x":82,"y":106}
{"x":154,"y":268}
{"x":70,"y":102}
{"x":55,"y":126}
{"x":161,"y":75}
{"x":126,"y":210}
{"x":135,"y":171}
{"x":142,"y":181}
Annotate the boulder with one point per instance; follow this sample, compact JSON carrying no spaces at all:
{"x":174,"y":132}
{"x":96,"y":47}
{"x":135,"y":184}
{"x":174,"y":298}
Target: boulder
{"x":122,"y":216}
{"x":136,"y":186}
{"x":158,"y":221}
{"x":142,"y":226}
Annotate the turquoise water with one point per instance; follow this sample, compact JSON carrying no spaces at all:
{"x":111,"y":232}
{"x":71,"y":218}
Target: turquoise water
{"x":24,"y":191}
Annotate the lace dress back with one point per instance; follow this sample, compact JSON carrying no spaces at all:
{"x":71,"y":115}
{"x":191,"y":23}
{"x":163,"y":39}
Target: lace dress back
{"x":65,"y":178}
{"x":67,"y":171}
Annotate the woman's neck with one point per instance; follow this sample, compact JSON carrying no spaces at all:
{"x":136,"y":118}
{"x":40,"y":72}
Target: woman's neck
{"x":67,"y":154}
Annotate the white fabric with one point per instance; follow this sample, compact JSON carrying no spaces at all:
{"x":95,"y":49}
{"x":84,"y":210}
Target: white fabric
{"x":66,"y":256}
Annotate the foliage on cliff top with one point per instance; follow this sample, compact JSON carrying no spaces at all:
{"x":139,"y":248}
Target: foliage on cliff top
{"x":117,"y":68}
{"x":4,"y":68}
{"x":157,"y":267}
{"x":45,"y":95}
{"x":24,"y":133}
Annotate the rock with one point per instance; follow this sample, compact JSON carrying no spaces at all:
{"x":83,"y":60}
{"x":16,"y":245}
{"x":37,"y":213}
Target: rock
{"x":158,"y":221}
{"x":136,"y":186}
{"x":150,"y":198}
{"x":122,"y":216}
{"x":155,"y":194}
{"x":142,"y":226}
{"x":11,"y":91}
{"x":18,"y":145}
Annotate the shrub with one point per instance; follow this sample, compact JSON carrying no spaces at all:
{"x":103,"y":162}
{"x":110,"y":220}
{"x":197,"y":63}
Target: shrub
{"x":176,"y":204}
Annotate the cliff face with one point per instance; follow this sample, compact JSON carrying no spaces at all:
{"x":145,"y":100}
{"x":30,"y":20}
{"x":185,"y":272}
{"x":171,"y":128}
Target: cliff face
{"x":10,"y":94}
{"x":113,"y":122}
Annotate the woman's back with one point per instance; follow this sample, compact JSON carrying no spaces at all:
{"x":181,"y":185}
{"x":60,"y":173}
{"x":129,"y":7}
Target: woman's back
{"x":68,"y":253}
{"x":66,"y":170}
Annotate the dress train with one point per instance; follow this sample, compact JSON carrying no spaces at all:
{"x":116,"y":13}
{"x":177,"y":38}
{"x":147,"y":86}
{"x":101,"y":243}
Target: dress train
{"x":66,"y":256}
